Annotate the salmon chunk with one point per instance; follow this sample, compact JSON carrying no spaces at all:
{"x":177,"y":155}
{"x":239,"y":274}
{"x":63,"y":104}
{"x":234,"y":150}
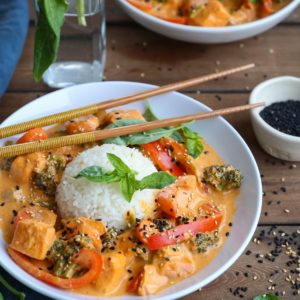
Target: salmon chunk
{"x":211,"y":14}
{"x":175,"y":262}
{"x":180,"y":198}
{"x":151,"y":281}
{"x":24,"y":166}
{"x":120,"y":114}
{"x":115,"y":269}
{"x":91,"y":228}
{"x":33,"y":238}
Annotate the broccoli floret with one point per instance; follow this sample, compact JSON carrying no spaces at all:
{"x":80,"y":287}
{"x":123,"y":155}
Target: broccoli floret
{"x":48,"y":179}
{"x":223,"y":178}
{"x":202,"y":241}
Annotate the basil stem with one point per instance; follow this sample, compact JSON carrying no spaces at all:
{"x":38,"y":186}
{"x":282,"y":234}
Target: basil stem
{"x":80,"y":13}
{"x":15,"y":292}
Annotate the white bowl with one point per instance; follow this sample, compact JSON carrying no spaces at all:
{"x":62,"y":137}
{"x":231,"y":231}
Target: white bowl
{"x":274,"y":142}
{"x":207,"y":35}
{"x":217,"y":132}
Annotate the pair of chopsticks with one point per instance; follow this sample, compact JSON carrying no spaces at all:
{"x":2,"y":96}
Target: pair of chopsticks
{"x":14,"y":150}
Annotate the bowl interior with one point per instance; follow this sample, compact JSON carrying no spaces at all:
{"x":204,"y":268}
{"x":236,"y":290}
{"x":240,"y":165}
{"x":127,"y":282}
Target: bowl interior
{"x":216,"y":132}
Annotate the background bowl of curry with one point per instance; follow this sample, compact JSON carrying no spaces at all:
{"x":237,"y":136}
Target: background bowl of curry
{"x":207,"y":35}
{"x":216,"y":132}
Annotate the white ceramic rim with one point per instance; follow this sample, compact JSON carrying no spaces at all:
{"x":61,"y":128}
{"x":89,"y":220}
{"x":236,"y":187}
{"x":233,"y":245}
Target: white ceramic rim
{"x":194,"y":287}
{"x":255,"y":112}
{"x":221,"y":29}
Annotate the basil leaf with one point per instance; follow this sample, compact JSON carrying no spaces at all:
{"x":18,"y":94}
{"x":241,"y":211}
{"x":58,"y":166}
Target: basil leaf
{"x":192,"y":141}
{"x":47,"y":37}
{"x":128,"y":186}
{"x":156,"y":180}
{"x":139,"y":138}
{"x":149,"y":114}
{"x":14,"y":291}
{"x":121,"y":140}
{"x":96,"y":174}
{"x":121,"y":168}
{"x":177,"y":136}
{"x":267,"y":296}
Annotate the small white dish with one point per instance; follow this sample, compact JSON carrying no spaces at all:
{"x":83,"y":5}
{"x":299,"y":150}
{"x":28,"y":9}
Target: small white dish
{"x":274,"y":142}
{"x":207,"y":35}
{"x":217,"y":132}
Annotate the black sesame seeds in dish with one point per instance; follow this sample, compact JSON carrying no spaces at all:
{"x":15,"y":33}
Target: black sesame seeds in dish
{"x":283,"y":116}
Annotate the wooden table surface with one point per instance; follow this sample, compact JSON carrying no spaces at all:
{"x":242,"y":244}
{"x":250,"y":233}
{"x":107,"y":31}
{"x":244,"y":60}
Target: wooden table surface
{"x":136,"y":54}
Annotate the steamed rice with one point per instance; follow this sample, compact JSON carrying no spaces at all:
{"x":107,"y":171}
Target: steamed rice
{"x":81,"y":197}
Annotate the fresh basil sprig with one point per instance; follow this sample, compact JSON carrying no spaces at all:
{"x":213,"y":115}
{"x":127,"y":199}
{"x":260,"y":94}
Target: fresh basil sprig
{"x":126,"y":177}
{"x":139,"y":138}
{"x":15,"y":292}
{"x":192,"y":140}
{"x":267,"y":296}
{"x":47,"y":37}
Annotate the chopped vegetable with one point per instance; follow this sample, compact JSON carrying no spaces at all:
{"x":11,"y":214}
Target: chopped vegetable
{"x":181,"y":233}
{"x":202,"y":241}
{"x":161,"y":158}
{"x":87,"y":259}
{"x":36,"y":134}
{"x":49,"y":177}
{"x":223,"y":178}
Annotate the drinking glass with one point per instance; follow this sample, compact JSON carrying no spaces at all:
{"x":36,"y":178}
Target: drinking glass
{"x":81,"y":55}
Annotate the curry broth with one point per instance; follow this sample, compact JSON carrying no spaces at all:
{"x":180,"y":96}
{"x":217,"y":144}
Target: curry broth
{"x":10,"y":202}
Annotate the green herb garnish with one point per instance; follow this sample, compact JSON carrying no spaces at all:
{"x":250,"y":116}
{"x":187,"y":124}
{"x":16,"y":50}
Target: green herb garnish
{"x":139,"y":138}
{"x":126,"y":177}
{"x":47,"y":37}
{"x":192,"y":140}
{"x":15,"y":292}
{"x":267,"y":296}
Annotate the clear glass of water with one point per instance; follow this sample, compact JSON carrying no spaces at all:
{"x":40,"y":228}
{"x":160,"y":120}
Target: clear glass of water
{"x":81,"y":54}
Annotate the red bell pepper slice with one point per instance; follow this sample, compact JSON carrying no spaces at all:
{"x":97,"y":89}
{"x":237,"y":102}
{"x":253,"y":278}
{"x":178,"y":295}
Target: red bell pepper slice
{"x":160,"y":157}
{"x":184,"y":232}
{"x":87,"y":258}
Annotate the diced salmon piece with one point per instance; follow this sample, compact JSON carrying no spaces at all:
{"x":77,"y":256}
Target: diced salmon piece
{"x":151,"y":281}
{"x":120,"y":114}
{"x":210,"y":14}
{"x":175,"y":262}
{"x":23,"y":166}
{"x":115,"y":269}
{"x":94,"y":229}
{"x":180,"y":198}
{"x":245,"y":14}
{"x":37,"y":213}
{"x":33,"y":238}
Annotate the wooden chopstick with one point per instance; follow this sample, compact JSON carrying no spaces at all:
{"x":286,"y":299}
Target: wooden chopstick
{"x":14,"y":150}
{"x":92,"y":109}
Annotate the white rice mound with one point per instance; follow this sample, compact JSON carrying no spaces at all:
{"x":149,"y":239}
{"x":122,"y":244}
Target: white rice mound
{"x":81,"y":197}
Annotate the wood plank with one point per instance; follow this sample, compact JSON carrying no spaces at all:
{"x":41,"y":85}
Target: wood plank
{"x":239,"y":275}
{"x":273,"y":170}
{"x":136,"y":54}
